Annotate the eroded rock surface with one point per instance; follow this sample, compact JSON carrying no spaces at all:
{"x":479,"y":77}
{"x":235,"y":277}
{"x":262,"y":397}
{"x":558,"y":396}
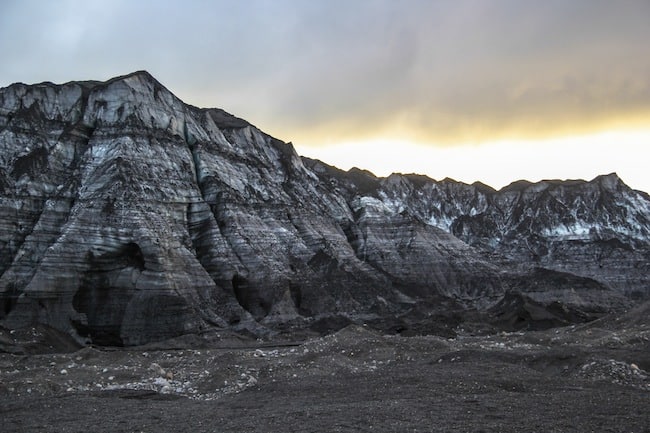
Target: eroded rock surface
{"x":127,"y":216}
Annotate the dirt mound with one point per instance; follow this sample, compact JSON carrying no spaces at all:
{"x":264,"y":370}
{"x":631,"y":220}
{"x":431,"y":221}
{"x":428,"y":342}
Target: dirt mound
{"x":517,"y":311}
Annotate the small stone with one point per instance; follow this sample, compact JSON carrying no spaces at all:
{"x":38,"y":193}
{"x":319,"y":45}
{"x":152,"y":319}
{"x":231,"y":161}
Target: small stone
{"x":158,"y":369}
{"x":161,"y":382}
{"x":64,"y":371}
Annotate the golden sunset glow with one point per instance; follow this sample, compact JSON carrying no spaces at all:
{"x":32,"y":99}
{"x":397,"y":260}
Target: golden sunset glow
{"x":444,"y":131}
{"x":499,"y":163}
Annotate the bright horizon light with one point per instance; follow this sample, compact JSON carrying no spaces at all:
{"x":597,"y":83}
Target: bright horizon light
{"x":498,"y":163}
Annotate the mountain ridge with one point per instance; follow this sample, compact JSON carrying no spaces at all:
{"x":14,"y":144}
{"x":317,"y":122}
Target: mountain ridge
{"x":128,"y":216}
{"x":147,"y":76}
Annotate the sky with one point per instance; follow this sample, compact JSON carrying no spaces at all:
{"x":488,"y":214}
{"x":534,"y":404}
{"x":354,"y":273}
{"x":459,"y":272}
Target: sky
{"x":489,"y":90}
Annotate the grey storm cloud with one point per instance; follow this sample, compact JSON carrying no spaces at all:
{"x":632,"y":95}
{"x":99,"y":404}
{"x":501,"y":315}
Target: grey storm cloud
{"x":456,"y":68}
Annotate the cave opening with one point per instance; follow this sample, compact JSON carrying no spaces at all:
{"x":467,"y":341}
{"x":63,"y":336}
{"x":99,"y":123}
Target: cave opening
{"x":105,"y":291}
{"x":104,"y":307}
{"x":133,"y":256}
{"x":8,"y":305}
{"x":249,"y":297}
{"x":239,"y":287}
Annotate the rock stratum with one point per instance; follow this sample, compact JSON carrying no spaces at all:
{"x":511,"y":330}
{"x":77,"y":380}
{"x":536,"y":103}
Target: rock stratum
{"x":128,"y":216}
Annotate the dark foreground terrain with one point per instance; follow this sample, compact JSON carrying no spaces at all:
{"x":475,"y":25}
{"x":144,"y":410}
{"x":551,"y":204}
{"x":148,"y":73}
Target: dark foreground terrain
{"x":585,"y":378}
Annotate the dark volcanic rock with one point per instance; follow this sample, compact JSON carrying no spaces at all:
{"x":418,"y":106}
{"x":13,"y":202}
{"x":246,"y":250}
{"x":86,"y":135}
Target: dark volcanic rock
{"x":598,"y":229}
{"x":127,"y":216}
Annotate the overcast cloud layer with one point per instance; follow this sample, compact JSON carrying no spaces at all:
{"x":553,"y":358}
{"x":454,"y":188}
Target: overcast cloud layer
{"x":435,"y":73}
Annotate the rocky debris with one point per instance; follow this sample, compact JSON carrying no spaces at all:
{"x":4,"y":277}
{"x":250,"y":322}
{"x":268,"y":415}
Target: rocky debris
{"x":129,"y":217}
{"x":494,"y":382}
{"x":35,"y":339}
{"x":208,"y":374}
{"x":618,"y":372}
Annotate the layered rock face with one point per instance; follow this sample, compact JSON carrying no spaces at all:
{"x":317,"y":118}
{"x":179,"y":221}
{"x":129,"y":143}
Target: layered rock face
{"x":598,"y":229}
{"x":127,"y":216}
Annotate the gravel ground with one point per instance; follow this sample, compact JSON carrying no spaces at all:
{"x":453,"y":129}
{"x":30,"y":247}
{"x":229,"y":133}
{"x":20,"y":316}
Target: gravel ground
{"x":574,"y":379}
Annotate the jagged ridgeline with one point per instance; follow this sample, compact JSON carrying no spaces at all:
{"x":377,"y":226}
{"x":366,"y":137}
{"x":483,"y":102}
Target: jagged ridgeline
{"x":127,"y":216}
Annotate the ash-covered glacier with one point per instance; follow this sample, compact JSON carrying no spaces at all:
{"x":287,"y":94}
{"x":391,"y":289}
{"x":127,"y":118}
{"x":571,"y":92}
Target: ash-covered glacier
{"x":128,"y":216}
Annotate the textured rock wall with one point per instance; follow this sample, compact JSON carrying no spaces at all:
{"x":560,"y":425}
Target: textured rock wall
{"x":598,"y":229}
{"x":127,"y":216}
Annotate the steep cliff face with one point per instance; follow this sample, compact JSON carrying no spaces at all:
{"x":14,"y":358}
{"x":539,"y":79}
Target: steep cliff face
{"x":127,"y":216}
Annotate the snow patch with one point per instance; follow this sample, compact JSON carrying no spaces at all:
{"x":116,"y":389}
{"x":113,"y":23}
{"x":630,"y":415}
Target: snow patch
{"x":577,"y":230}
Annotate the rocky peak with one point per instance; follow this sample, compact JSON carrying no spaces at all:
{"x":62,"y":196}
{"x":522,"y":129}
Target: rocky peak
{"x":224,"y":120}
{"x":610,"y":181}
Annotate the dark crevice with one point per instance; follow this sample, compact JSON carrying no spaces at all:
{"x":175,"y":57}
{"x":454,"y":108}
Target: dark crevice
{"x":354,"y":236}
{"x":249,"y":297}
{"x":31,"y":164}
{"x":238,"y":286}
{"x":296,"y":295}
{"x":128,"y":255}
{"x":9,"y":299}
{"x":196,"y":161}
{"x":9,"y":117}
